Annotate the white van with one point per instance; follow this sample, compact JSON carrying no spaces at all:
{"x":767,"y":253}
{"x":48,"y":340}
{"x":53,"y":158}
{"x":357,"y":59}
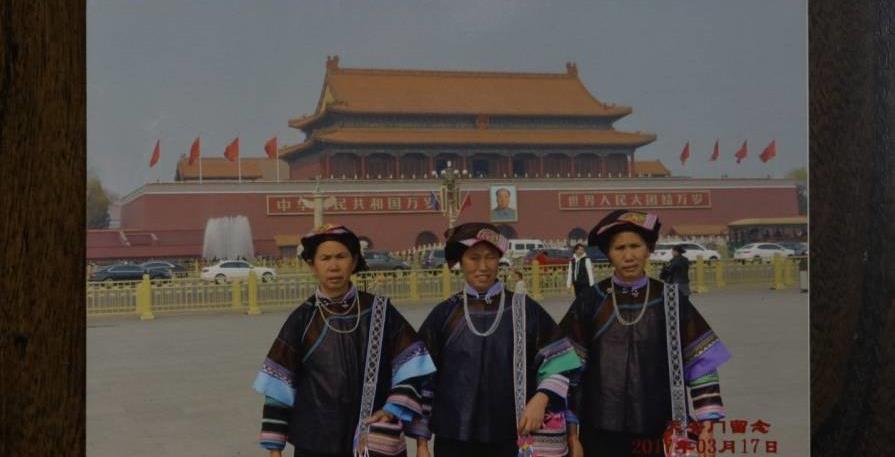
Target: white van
{"x":520,"y":248}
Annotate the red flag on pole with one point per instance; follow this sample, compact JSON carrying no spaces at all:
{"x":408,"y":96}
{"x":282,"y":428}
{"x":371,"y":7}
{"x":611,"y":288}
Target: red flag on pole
{"x":742,"y":152}
{"x":769,"y":152}
{"x":232,"y":150}
{"x":685,"y":154}
{"x":194,"y":151}
{"x":467,"y":202}
{"x":271,"y":148}
{"x":715,"y":152}
{"x":156,"y":153}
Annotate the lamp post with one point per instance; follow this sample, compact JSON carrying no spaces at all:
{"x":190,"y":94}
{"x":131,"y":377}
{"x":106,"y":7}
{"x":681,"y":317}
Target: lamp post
{"x":318,"y":203}
{"x":450,"y":192}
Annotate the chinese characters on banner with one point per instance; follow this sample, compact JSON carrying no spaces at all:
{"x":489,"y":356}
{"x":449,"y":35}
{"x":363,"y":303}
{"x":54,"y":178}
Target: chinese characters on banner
{"x":303,"y":204}
{"x":571,"y":201}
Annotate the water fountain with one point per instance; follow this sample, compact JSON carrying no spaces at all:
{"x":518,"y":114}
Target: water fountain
{"x":228,"y":238}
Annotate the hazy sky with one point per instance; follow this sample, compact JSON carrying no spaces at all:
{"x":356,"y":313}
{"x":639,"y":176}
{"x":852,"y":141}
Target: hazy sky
{"x":695,"y":70}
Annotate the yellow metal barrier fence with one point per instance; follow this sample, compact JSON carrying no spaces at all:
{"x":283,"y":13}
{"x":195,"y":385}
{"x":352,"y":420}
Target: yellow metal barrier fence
{"x":252,"y":296}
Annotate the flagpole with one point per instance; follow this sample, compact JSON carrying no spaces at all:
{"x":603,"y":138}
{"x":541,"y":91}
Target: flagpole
{"x":275,"y":156}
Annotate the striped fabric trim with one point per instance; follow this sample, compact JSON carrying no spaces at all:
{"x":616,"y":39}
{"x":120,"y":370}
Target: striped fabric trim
{"x":385,"y":439}
{"x":707,"y":396}
{"x":712,"y":354}
{"x":277,"y":371}
{"x":706,"y":379}
{"x":275,"y":388}
{"x":713,"y":412}
{"x":272,"y":441}
{"x":558,"y":384}
{"x":274,"y":424}
{"x":566,"y":361}
{"x":702,"y":344}
{"x":420,"y":365}
{"x":712,"y":416}
{"x":268,"y":401}
{"x":705,"y":392}
{"x":407,"y":389}
{"x":555,"y":348}
{"x":571,"y":418}
{"x":399,"y":411}
{"x":411,"y":407}
{"x":274,"y":421}
{"x":419,"y":427}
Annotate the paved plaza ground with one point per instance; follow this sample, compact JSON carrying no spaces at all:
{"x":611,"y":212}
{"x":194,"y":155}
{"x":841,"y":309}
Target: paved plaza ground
{"x":181,"y":385}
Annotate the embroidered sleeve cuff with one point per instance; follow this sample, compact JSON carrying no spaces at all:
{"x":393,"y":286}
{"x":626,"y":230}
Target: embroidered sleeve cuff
{"x":712,"y":417}
{"x":405,"y":414}
{"x":419,"y":428}
{"x":710,"y":413}
{"x":557,"y":384}
{"x":272,"y":441}
{"x":275,"y":388}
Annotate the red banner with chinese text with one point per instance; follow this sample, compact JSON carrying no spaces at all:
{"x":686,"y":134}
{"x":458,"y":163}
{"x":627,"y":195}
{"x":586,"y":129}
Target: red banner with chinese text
{"x":571,"y":201}
{"x":303,"y":204}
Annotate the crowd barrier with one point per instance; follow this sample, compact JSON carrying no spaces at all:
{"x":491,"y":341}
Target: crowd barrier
{"x":147,"y":298}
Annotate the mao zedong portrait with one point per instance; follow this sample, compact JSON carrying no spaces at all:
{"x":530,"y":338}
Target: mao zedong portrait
{"x":502,"y":211}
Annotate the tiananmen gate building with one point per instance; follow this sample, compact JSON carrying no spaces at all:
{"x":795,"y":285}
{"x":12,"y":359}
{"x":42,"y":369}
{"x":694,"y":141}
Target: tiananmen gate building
{"x":542,"y":157}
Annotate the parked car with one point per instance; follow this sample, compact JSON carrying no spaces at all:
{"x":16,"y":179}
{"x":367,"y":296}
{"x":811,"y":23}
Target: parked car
{"x":548,"y":256}
{"x":520,"y":248}
{"x":761,"y":252}
{"x":379,"y":261}
{"x":128,"y":272}
{"x":433,"y":259}
{"x":800,"y":249}
{"x":596,"y":254}
{"x":177,"y":270}
{"x":228,"y":270}
{"x":692,"y":251}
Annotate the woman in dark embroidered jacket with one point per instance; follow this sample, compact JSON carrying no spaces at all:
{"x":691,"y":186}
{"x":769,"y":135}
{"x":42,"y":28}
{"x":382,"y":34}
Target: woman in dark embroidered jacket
{"x":471,"y":338}
{"x":313,"y":375}
{"x":623,"y":398}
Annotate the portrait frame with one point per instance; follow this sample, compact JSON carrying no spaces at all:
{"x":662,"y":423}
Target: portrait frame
{"x":502,"y":215}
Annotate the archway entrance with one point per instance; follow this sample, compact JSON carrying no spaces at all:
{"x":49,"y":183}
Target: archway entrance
{"x":507,"y":231}
{"x":426,"y":238}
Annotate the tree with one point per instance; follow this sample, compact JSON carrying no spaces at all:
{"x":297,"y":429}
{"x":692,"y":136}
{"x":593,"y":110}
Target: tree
{"x":97,"y":204}
{"x":800,"y":175}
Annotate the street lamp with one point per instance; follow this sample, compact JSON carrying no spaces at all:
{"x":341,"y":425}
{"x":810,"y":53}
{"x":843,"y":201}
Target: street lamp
{"x":319,"y":204}
{"x":450,"y":192}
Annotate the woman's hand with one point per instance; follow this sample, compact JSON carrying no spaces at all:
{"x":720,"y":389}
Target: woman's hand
{"x":422,"y":448}
{"x":533,"y":416}
{"x":380,"y":416}
{"x":575,"y":448}
{"x":276,"y":453}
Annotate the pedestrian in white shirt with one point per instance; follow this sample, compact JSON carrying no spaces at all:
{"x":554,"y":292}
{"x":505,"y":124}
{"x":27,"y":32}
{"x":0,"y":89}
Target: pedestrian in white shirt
{"x":581,"y":271}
